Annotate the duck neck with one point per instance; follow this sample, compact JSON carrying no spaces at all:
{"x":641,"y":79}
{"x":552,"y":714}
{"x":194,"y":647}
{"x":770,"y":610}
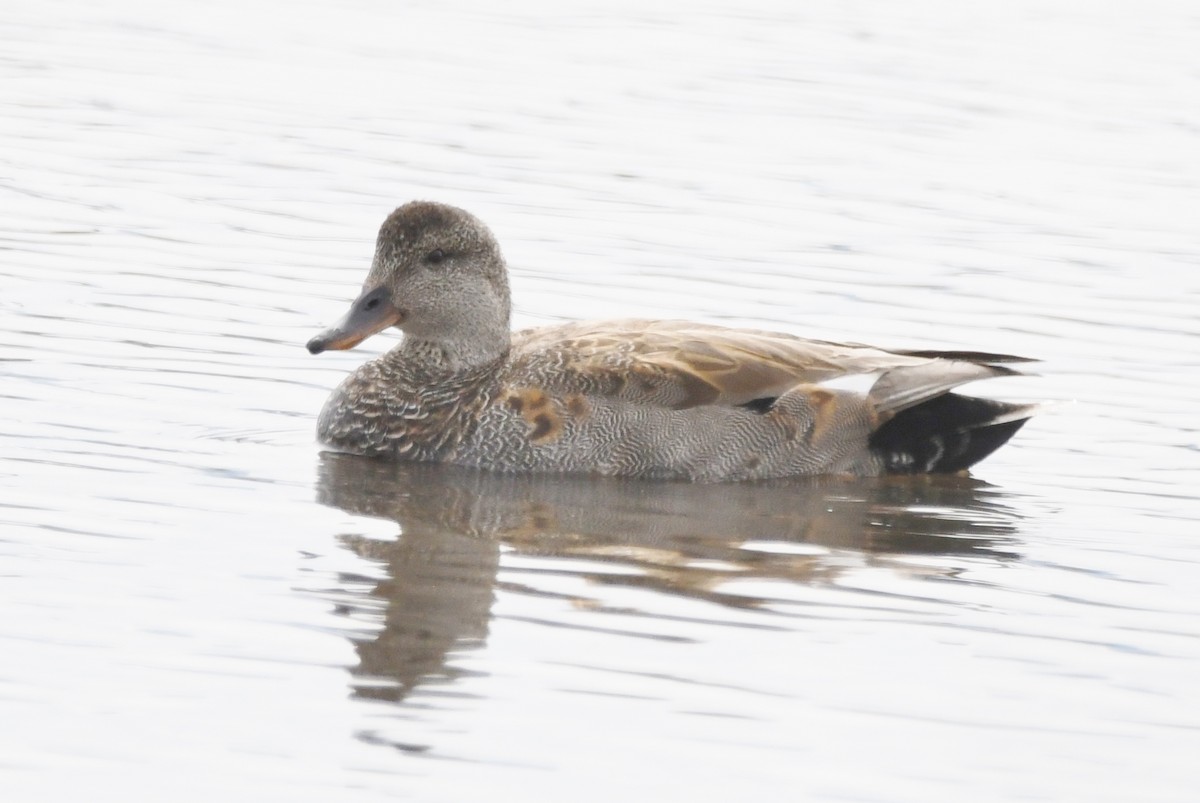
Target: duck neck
{"x":448,"y":358}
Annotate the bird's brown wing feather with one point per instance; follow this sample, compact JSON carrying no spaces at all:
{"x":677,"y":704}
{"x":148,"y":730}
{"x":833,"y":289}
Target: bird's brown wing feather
{"x":681,"y":364}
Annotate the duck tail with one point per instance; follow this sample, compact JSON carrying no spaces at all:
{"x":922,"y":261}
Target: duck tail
{"x":947,"y":433}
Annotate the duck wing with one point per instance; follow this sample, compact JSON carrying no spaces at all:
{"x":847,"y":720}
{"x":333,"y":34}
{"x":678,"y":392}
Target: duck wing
{"x":681,"y":364}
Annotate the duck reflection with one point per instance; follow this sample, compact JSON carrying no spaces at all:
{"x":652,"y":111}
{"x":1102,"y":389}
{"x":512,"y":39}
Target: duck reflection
{"x":677,"y":538}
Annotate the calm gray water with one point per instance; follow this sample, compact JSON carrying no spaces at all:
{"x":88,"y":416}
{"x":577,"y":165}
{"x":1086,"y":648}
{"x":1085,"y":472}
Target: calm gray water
{"x":197,"y":604}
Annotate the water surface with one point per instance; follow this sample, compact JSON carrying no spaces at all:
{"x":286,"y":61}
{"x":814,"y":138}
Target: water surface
{"x":200,"y":604}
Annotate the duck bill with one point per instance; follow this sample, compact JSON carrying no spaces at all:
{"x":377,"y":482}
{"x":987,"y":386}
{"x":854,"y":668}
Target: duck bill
{"x":371,"y":312}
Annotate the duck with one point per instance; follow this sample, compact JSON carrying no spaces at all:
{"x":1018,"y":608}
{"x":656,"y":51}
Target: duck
{"x":653,"y":399}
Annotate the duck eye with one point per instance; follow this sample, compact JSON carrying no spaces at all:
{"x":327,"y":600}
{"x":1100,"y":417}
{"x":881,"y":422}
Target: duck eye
{"x":435,"y":256}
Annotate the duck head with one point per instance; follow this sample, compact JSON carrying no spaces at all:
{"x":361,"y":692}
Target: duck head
{"x":438,"y":276}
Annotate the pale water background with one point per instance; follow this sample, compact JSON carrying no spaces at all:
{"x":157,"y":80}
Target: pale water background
{"x":198,"y":605}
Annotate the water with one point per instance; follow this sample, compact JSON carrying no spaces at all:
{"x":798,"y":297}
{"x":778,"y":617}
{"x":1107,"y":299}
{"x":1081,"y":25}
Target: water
{"x":198,"y":604}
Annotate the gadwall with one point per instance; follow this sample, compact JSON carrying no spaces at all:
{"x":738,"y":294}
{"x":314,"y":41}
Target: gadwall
{"x":639,"y":398}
